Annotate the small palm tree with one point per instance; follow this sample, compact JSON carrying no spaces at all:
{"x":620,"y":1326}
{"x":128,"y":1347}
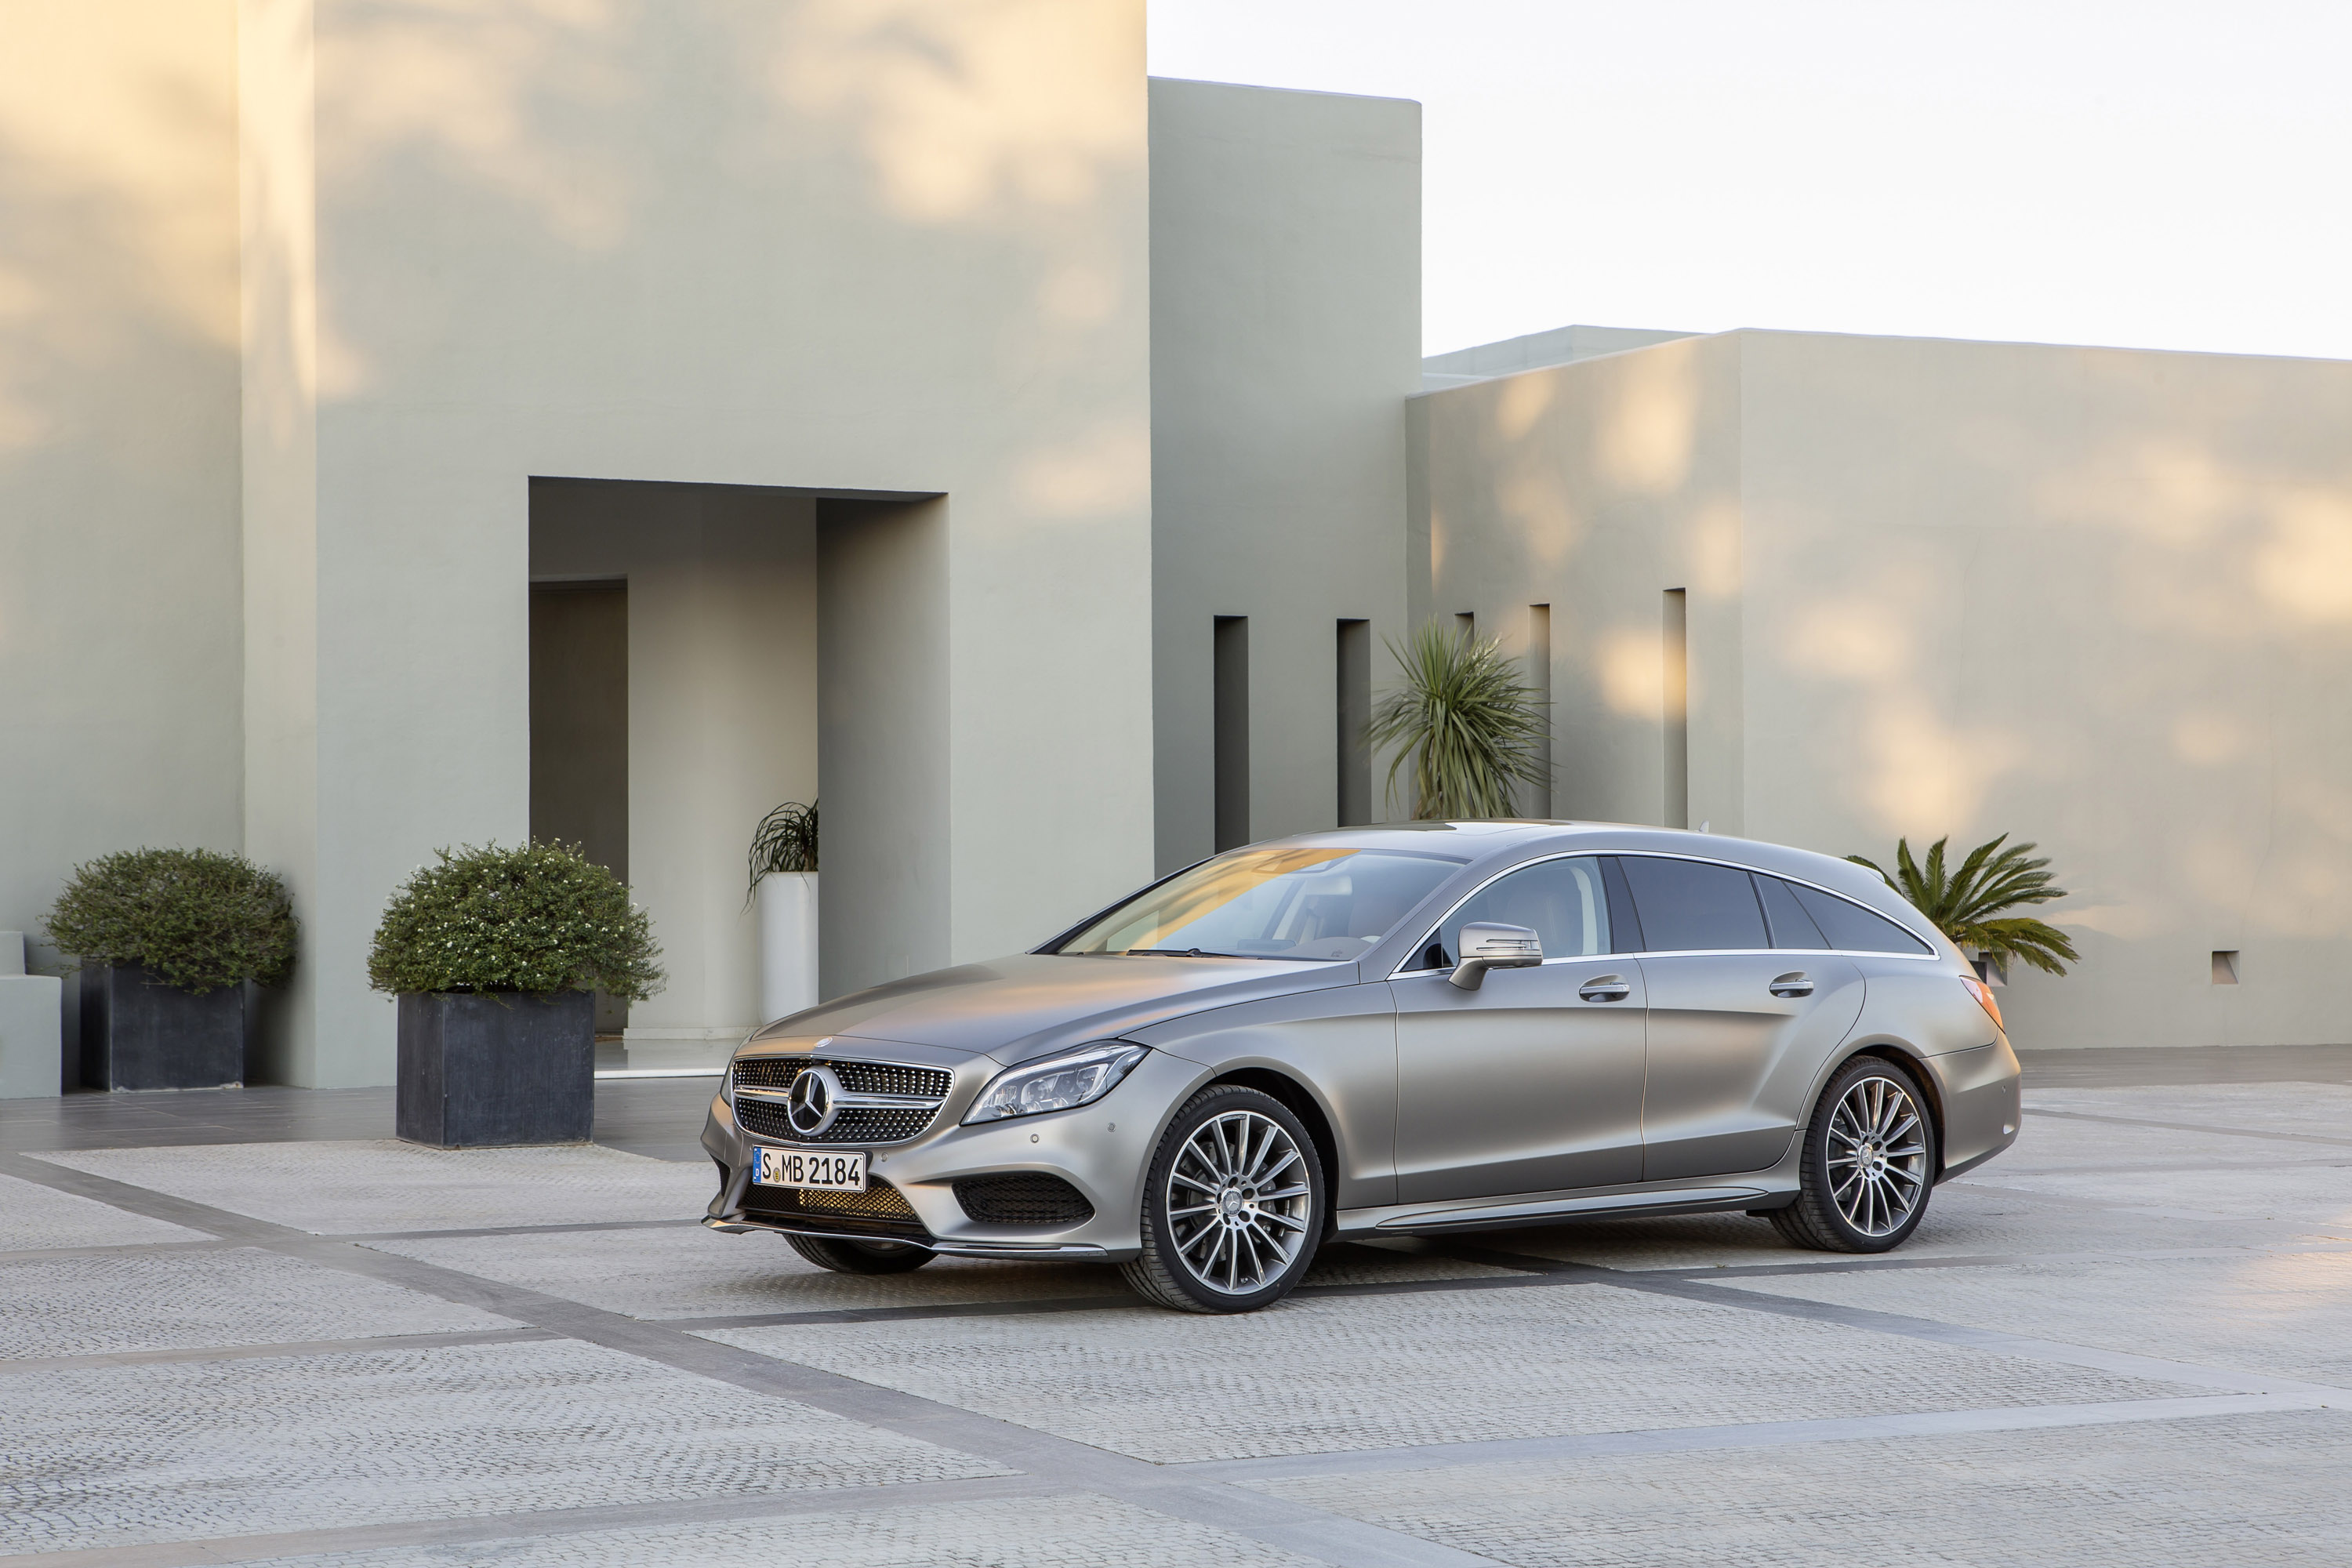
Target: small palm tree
{"x":1966,"y":905}
{"x":1472,"y":728}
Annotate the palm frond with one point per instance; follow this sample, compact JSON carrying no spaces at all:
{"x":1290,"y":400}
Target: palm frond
{"x":1968,"y":904}
{"x":1471,"y":729}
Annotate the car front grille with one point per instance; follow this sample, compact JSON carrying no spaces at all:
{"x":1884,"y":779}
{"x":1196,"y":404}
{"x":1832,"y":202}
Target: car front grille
{"x":774,"y":1075}
{"x":1023,"y":1198}
{"x":858,"y":1077}
{"x":856,"y":1124}
{"x":880,"y":1210}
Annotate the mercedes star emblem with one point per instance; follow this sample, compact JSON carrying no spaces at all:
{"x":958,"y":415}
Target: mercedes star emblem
{"x":815,"y":1094}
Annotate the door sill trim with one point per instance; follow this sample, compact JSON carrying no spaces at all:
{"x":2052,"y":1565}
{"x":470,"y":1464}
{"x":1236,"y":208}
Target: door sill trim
{"x":1507,"y":1213}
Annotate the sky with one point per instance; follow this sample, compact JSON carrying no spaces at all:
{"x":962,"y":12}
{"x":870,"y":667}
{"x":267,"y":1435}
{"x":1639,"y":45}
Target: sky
{"x":2150,"y":175}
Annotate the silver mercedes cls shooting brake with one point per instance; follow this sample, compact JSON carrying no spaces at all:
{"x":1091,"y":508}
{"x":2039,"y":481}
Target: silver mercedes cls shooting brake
{"x":1404,"y":1030}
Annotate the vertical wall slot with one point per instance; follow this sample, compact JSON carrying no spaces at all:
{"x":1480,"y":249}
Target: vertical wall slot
{"x":1466,"y":622}
{"x":1675,"y":649}
{"x":1355,"y":713}
{"x":1540,"y":794}
{"x":1232,"y":731}
{"x":2225,"y":966}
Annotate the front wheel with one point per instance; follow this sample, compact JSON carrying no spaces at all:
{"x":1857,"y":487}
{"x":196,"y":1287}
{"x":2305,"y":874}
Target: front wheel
{"x":1869,"y":1162}
{"x":1233,"y":1206}
{"x":851,"y":1255}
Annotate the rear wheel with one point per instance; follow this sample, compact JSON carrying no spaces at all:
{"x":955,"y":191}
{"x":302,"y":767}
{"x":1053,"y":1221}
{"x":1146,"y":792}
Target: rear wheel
{"x":1869,"y":1162}
{"x":854,"y":1255}
{"x":1233,"y":1206}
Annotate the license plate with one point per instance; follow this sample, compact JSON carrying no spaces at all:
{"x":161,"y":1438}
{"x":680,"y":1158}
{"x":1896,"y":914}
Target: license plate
{"x":832,"y":1173}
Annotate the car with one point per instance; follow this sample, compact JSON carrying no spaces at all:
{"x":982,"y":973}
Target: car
{"x":1418,"y":1029}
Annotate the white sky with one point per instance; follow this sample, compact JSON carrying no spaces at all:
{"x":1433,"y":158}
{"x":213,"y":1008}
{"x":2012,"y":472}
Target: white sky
{"x":2153,"y":174}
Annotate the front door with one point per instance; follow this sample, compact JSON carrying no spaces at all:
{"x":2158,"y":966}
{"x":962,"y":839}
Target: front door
{"x":1533,"y":1082}
{"x":1739,"y":1022}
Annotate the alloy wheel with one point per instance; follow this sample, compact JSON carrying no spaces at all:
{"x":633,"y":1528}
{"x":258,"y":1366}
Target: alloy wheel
{"x":1877,"y":1156}
{"x":1238,"y":1201}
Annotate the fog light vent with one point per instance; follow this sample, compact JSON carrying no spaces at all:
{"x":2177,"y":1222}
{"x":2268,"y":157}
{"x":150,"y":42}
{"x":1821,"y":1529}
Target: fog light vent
{"x":1023,"y":1198}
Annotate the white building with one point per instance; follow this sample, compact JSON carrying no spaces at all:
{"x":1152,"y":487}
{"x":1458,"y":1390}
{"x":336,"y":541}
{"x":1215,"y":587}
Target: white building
{"x":424,"y":425}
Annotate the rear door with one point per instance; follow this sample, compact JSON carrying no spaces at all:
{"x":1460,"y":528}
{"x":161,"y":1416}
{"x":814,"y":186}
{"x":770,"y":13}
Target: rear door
{"x":1532,"y":1083}
{"x":1743,"y":1008}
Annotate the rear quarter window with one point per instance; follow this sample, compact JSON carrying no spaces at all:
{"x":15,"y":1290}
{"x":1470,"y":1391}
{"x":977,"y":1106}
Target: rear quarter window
{"x":1853,"y":929}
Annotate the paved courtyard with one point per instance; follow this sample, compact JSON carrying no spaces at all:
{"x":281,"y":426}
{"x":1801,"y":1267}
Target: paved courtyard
{"x":248,"y":1326}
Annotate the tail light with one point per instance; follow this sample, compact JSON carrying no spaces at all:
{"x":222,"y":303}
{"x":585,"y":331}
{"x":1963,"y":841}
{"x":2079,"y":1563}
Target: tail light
{"x":1985,"y":999}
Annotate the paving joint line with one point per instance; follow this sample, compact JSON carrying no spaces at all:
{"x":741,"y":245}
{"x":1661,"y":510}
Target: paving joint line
{"x":371,"y":1344}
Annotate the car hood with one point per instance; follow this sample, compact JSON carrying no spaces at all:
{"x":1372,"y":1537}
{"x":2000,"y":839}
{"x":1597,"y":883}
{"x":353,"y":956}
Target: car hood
{"x":1017,"y":1008}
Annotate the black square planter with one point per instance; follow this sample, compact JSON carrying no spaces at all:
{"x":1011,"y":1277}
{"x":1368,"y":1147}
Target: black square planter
{"x":497,"y":1067}
{"x":137,"y":1032}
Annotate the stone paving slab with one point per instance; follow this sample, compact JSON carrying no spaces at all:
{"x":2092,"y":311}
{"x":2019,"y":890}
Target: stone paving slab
{"x":2051,"y":1144}
{"x":1379,"y":1371}
{"x":2314,"y":1200}
{"x":2263,"y":1312}
{"x":34,"y":1217}
{"x":1963,"y":1221}
{"x":2264,"y":1489}
{"x":2317,"y":1109}
{"x":190,"y":1451}
{"x":1068,"y":1531}
{"x":364,"y":1186}
{"x":113,"y":1303}
{"x":694,"y":1272}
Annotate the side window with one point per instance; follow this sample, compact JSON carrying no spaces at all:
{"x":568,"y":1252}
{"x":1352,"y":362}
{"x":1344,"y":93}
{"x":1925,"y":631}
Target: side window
{"x":1694,"y":906}
{"x":1853,"y":929}
{"x":1791,"y":926}
{"x":1562,"y":901}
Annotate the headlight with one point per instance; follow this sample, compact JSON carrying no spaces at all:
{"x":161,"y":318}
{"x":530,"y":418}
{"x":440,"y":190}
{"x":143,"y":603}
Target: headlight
{"x":1058,"y":1083}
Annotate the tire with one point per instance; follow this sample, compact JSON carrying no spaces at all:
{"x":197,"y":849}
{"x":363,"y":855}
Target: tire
{"x":849,"y":1255}
{"x":1258,"y":1210}
{"x":1870,"y":1150}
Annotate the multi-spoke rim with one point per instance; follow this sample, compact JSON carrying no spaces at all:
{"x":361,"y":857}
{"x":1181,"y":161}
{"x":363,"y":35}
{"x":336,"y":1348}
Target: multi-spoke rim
{"x":1238,"y":1201}
{"x":1877,"y":1155}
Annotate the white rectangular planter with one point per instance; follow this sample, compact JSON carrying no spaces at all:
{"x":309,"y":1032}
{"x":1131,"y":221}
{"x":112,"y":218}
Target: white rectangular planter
{"x":787,"y":944}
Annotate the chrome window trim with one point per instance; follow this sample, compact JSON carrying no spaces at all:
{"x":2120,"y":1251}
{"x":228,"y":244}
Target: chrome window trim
{"x":1930,"y":956}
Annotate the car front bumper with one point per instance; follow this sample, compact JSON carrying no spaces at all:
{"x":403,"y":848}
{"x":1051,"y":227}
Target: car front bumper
{"x":1102,"y":1150}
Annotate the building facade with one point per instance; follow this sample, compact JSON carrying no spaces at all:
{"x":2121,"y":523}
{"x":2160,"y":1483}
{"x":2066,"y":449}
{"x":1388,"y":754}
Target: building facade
{"x":427,"y":423}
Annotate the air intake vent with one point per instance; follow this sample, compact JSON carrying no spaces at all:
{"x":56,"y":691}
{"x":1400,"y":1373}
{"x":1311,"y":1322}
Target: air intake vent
{"x":1024,"y":1198}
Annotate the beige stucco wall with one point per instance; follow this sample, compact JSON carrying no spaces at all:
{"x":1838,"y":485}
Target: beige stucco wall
{"x":748,"y":243}
{"x":2097,"y":598}
{"x":119,"y":641}
{"x":1286,"y":311}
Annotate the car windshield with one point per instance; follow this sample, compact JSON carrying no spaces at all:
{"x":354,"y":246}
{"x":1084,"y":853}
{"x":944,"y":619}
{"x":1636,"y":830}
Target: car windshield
{"x":1320,"y":903}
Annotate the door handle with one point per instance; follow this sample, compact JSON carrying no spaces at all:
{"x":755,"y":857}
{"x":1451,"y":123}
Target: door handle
{"x":1791,"y":986}
{"x":1604,"y":989}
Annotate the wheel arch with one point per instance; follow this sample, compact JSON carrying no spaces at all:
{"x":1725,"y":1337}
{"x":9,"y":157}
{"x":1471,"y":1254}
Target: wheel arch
{"x":1300,"y":1100}
{"x":1899,"y":1055}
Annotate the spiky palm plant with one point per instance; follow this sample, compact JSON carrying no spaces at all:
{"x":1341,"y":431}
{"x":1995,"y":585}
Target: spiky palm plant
{"x":1965,"y":904}
{"x":1471,"y":728}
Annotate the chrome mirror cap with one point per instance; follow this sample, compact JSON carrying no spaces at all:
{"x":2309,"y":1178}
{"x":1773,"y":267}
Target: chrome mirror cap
{"x":1487,"y":945}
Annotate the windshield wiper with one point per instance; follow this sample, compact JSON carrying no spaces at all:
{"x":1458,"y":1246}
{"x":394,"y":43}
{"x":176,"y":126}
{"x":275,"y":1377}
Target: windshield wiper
{"x":1190,"y":952}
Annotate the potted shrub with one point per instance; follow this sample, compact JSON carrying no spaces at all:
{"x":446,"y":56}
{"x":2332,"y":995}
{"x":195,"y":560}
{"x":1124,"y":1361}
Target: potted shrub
{"x":166,"y":940}
{"x":784,"y":880}
{"x":493,"y":954}
{"x":1472,"y":728}
{"x":1971,"y":905}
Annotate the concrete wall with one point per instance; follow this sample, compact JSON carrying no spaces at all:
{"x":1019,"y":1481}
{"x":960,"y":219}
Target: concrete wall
{"x":2096,"y":599}
{"x":743,"y":242}
{"x":119,"y":641}
{"x":1286,"y":319}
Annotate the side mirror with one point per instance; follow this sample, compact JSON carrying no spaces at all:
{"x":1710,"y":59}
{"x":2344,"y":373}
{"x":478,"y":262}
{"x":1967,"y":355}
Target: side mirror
{"x":1486,"y":946}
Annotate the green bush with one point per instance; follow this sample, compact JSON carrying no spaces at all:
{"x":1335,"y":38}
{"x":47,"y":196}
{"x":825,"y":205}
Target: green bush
{"x":195,"y":919}
{"x":537,"y":918}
